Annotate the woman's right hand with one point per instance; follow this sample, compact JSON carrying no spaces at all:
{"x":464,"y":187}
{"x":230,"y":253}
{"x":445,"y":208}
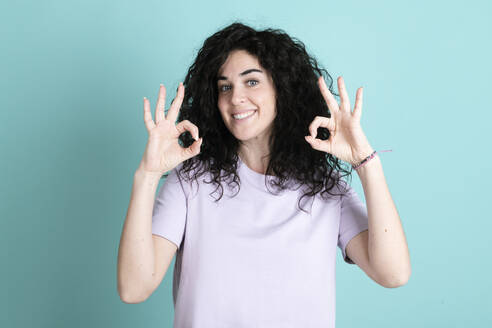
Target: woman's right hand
{"x":163,"y":152}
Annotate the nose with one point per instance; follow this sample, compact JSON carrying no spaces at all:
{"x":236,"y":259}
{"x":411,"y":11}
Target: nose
{"x":238,"y":96}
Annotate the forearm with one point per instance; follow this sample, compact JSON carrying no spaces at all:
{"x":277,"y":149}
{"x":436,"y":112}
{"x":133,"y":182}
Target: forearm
{"x":387,"y":245}
{"x":136,"y":250}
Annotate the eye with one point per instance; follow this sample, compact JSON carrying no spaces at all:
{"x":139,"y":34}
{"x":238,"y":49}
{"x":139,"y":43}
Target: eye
{"x":252,"y":82}
{"x":224,"y":87}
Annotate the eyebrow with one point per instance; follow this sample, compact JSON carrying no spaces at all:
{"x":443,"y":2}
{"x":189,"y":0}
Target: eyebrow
{"x":243,"y":73}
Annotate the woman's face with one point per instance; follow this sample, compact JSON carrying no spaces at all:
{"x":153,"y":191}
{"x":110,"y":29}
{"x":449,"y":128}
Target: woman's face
{"x":246,"y":88}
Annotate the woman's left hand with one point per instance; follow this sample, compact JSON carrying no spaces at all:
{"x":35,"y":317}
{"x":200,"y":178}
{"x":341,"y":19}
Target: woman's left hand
{"x":347,"y":141}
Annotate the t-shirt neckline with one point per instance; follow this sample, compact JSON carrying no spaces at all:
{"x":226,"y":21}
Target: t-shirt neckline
{"x":252,"y":176}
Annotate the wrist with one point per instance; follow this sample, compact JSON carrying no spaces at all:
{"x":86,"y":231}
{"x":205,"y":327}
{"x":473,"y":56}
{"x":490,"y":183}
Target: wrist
{"x":367,"y":165}
{"x":373,"y":157}
{"x":141,"y":175}
{"x":362,"y":155}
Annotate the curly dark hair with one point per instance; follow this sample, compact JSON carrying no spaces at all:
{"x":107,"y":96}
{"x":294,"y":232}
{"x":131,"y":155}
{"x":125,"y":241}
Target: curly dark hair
{"x":298,"y":102}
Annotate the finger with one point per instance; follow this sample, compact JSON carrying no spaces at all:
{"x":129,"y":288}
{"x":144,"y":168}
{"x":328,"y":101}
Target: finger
{"x":186,"y":125}
{"x":327,"y":95}
{"x":358,"y":103}
{"x":321,"y":145}
{"x":149,"y":124}
{"x":344,"y":99}
{"x":192,"y":150}
{"x":161,"y":103}
{"x":313,"y":127}
{"x":321,"y":121}
{"x":172,"y":113}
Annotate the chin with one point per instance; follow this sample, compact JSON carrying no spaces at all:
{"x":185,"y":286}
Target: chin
{"x":243,"y":137}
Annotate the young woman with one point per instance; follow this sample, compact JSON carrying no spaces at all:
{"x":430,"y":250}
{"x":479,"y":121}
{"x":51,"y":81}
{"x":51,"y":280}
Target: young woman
{"x":254,"y":202}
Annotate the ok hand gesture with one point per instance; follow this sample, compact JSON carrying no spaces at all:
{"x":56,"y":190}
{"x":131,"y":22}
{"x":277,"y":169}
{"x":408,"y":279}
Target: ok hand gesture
{"x":347,"y":140}
{"x":163,"y":152}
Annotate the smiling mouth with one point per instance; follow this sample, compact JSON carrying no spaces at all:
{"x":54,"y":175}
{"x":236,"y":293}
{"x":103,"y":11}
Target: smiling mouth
{"x":243,"y":115}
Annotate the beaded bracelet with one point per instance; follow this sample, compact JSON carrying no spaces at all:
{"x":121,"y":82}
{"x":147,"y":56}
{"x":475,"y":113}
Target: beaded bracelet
{"x":367,"y":159}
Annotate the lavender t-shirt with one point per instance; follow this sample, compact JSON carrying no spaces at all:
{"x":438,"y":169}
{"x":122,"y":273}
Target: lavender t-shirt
{"x":254,"y":259}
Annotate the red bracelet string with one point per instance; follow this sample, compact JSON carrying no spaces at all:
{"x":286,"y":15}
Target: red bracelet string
{"x":368,"y":158}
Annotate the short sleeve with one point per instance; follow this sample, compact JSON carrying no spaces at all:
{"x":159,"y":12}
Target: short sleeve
{"x":170,"y":208}
{"x":353,"y":220}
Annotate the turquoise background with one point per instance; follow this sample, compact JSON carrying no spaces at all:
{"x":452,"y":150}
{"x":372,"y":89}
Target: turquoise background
{"x":72,"y":79}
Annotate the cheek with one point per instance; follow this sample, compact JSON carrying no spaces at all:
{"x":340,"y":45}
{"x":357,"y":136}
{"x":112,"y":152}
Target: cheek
{"x":222,"y":110}
{"x":220,"y":105}
{"x":270,"y":103}
{"x":268,"y":99}
{"x":223,"y":101}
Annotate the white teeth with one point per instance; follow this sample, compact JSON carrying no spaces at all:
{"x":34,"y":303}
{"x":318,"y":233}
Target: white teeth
{"x":243,"y":115}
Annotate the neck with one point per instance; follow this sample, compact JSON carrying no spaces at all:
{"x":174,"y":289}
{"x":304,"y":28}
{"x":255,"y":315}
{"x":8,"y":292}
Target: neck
{"x":256,"y":159}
